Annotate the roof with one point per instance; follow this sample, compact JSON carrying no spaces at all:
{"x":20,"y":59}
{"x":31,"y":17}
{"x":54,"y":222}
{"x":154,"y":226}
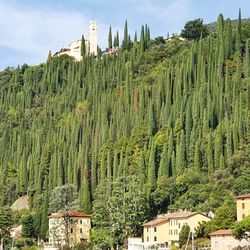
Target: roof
{"x":243,"y":196}
{"x":71,"y":214}
{"x":165,"y":217}
{"x":155,"y":222}
{"x":222,"y":232}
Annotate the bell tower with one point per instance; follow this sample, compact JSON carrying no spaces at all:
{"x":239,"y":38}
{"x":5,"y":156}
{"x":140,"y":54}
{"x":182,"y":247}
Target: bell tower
{"x":93,"y":37}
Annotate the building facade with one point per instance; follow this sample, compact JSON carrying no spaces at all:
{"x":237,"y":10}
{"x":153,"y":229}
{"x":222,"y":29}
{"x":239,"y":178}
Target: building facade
{"x":74,"y":48}
{"x":78,"y":224}
{"x":164,"y":230}
{"x":243,"y":206}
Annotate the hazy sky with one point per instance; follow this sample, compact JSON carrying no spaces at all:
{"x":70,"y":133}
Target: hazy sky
{"x":30,"y":28}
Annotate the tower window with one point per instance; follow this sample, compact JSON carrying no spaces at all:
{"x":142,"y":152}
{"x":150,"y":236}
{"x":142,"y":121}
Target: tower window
{"x":243,"y":205}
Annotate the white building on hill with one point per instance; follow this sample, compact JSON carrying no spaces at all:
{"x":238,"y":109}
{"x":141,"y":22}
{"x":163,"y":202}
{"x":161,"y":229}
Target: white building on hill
{"x":74,"y":48}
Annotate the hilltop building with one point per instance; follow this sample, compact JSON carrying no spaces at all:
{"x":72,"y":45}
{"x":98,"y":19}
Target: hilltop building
{"x":164,"y":230}
{"x":78,"y":229}
{"x":74,"y":48}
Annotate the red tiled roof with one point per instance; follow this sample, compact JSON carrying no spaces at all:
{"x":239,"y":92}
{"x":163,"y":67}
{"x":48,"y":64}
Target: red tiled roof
{"x":243,"y":196}
{"x":71,"y":214}
{"x":166,"y":217}
{"x":222,"y":232}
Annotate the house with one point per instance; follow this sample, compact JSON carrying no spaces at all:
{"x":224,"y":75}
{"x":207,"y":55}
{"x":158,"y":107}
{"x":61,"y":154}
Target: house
{"x":223,"y":239}
{"x":74,"y":48}
{"x":243,"y":206}
{"x":78,"y":224}
{"x":164,"y":230}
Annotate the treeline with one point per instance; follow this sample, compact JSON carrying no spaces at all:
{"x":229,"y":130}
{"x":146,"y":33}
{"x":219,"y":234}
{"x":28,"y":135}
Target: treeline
{"x":174,"y":114}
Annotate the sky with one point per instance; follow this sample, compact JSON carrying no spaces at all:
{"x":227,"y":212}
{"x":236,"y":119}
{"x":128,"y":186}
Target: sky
{"x":30,"y":28}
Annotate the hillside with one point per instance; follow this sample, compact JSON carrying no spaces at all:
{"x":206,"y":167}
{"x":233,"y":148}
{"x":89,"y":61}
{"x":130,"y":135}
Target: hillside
{"x":212,"y":26}
{"x":166,"y":122}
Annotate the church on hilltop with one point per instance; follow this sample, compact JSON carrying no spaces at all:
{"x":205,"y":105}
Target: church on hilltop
{"x":74,"y":48}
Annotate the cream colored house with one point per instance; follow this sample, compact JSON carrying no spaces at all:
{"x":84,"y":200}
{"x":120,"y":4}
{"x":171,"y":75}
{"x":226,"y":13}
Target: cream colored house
{"x":78,"y":228}
{"x":223,"y":240}
{"x":243,"y":206}
{"x":74,"y":48}
{"x":164,"y":230}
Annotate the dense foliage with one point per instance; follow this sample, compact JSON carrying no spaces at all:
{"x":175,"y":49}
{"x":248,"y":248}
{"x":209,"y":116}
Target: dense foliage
{"x":174,"y":114}
{"x":242,"y":228}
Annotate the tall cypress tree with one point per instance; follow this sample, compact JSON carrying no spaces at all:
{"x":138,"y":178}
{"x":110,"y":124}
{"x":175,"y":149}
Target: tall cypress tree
{"x":83,"y":47}
{"x":110,"y":42}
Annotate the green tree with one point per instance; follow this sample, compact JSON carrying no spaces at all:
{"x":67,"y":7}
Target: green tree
{"x":28,"y":227}
{"x":6,"y":221}
{"x":124,"y":210}
{"x":224,"y":218}
{"x":194,"y":30}
{"x":83,"y":47}
{"x":110,"y":42}
{"x":241,"y":229}
{"x":183,"y":235}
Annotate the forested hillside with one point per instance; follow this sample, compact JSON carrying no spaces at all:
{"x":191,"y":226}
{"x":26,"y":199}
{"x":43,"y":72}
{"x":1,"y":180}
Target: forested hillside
{"x":167,"y":123}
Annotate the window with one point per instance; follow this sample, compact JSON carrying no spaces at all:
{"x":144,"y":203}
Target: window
{"x":80,"y":230}
{"x":243,"y":216}
{"x":243,"y":205}
{"x":170,"y":232}
{"x":71,"y":230}
{"x":147,"y":229}
{"x":147,"y":239}
{"x":155,"y":238}
{"x":179,"y":225}
{"x":155,"y":229}
{"x":80,"y":221}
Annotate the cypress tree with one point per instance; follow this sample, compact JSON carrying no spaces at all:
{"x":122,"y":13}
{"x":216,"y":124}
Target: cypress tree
{"x":110,"y":42}
{"x":83,"y":47}
{"x":85,"y":190}
{"x":197,"y":162}
{"x":152,"y":168}
{"x":164,"y":167}
{"x":151,"y":120}
{"x":44,"y":218}
{"x":210,"y":158}
{"x":126,"y":42}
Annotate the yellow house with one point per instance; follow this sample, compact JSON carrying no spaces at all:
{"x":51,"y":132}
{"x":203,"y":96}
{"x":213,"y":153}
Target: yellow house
{"x":79,"y":226}
{"x":164,"y":230}
{"x":243,"y":206}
